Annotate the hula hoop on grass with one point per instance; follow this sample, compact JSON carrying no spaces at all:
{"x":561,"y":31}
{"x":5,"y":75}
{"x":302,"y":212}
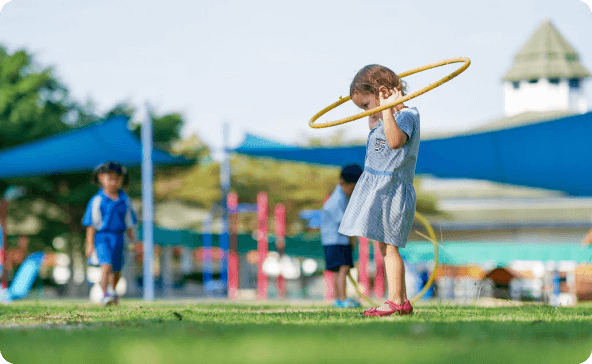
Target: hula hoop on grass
{"x":467,"y":63}
{"x":431,"y":237}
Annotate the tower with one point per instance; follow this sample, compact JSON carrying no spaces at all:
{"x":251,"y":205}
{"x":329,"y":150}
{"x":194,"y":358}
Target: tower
{"x":546,"y":75}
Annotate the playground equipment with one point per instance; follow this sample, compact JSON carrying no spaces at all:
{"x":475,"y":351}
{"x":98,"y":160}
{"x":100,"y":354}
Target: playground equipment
{"x":466,"y":61}
{"x":24,"y":278}
{"x":229,"y":268}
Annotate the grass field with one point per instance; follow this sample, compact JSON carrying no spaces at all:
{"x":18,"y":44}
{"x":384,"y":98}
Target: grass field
{"x":220,"y":332}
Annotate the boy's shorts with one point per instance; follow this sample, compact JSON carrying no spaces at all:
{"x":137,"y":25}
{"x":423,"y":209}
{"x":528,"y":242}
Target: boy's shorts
{"x":109,"y":247}
{"x":338,"y":255}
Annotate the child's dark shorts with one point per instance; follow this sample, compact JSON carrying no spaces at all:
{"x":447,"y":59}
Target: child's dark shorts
{"x":338,"y":255}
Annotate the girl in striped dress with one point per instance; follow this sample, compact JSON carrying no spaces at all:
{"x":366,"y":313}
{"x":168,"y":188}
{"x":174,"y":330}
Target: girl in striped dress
{"x":382,"y":206}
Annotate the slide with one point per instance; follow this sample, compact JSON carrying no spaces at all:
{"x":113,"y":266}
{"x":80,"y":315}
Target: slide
{"x":25,"y":276}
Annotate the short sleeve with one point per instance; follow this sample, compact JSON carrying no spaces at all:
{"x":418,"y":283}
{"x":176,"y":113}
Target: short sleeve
{"x":333,"y":210}
{"x":406,"y":122}
{"x":92,"y":215}
{"x":131,"y":220}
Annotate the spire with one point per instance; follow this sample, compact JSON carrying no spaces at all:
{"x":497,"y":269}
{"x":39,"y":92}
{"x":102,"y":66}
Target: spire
{"x":546,"y":55}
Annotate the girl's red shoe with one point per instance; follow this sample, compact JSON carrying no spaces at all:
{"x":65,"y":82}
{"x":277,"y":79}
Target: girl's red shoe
{"x":406,"y":308}
{"x":374,"y":312}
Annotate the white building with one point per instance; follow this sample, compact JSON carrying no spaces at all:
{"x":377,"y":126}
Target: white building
{"x":546,"y":76}
{"x":544,"y":83}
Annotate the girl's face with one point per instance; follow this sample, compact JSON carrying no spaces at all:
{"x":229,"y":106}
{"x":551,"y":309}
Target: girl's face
{"x":367,"y":101}
{"x":111,"y":182}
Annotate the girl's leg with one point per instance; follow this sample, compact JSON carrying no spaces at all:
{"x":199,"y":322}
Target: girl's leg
{"x":395,"y":275}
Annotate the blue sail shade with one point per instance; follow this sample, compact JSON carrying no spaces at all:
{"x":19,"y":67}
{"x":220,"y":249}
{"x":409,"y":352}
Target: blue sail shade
{"x":78,"y":150}
{"x":553,"y":154}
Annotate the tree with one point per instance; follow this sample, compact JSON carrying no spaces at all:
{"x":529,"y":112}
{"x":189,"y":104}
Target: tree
{"x":166,"y":129}
{"x":121,"y":109}
{"x":33,"y":103}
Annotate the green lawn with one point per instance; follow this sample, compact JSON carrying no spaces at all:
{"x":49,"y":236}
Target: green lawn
{"x":218,"y":332}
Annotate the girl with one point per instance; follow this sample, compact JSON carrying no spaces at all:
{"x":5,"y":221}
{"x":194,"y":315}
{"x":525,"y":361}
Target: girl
{"x":382,"y":206}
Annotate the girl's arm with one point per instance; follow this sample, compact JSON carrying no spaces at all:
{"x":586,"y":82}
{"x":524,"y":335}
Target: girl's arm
{"x":90,"y":240}
{"x":395,"y":137}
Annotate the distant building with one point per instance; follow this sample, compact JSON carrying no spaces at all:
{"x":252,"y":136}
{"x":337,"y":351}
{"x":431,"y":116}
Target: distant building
{"x":546,"y":76}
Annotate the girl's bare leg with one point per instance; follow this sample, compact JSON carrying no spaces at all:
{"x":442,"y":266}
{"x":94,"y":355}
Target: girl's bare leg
{"x":395,"y":275}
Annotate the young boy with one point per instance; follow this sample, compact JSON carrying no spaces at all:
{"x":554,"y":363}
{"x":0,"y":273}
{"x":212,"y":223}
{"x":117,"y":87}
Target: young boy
{"x":109,"y":215}
{"x":338,"y":247}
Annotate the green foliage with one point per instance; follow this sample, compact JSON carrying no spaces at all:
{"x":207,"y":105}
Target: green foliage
{"x":121,"y":109}
{"x":166,"y":128}
{"x":199,"y":185}
{"x":33,"y":104}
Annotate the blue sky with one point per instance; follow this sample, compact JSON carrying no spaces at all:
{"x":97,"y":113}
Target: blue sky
{"x":267,"y":66}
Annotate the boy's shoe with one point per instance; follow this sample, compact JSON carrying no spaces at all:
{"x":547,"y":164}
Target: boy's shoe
{"x":107,"y":300}
{"x":339,"y":304}
{"x":111,"y":292}
{"x":350,"y":302}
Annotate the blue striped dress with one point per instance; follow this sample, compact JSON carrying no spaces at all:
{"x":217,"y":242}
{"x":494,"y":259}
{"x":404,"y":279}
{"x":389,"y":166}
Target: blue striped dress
{"x":382,"y":206}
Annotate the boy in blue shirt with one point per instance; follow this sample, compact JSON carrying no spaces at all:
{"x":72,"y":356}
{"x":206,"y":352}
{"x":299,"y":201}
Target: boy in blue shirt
{"x":109,"y":215}
{"x":338,"y":247}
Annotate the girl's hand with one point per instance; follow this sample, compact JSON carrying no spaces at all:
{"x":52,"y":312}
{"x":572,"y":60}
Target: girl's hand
{"x":387,"y":96}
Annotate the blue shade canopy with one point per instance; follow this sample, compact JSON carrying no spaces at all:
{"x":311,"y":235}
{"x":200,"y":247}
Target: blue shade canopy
{"x":554,"y":154}
{"x":336,"y":156}
{"x":78,"y":150}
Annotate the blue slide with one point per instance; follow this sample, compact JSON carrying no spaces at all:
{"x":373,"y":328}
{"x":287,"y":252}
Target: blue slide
{"x":25,"y":276}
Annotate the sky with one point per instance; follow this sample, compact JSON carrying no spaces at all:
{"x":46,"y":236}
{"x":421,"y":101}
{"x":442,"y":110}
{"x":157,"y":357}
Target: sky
{"x":266,"y":67}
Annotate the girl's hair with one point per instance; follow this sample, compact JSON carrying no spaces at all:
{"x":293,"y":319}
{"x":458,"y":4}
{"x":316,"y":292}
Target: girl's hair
{"x":370,"y":78}
{"x":110,"y":167}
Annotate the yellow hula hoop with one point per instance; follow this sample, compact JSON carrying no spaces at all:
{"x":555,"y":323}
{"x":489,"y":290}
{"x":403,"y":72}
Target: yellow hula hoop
{"x":467,"y":63}
{"x":432,"y":238}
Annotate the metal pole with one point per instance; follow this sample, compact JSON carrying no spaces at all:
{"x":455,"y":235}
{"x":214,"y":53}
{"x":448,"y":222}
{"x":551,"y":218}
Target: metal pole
{"x":208,"y":275}
{"x":280,"y":244}
{"x":262,"y":244}
{"x":3,"y":239}
{"x":232,"y":245}
{"x":147,"y":207}
{"x":225,"y":184}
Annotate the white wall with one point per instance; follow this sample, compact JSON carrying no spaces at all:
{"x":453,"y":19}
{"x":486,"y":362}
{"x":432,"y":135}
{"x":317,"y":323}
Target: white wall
{"x":543,"y":96}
